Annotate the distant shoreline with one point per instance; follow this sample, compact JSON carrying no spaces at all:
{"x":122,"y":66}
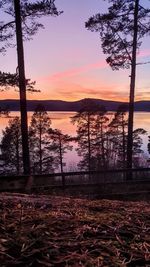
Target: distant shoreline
{"x":71,"y":106}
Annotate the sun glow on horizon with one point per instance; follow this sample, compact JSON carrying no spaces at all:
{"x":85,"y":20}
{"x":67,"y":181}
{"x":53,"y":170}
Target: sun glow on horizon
{"x":104,"y":95}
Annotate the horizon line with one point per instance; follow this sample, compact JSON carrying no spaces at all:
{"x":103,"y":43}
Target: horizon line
{"x":15,"y":99}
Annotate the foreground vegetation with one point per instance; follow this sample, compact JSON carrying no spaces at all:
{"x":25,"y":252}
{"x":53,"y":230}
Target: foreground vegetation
{"x":60,"y":231}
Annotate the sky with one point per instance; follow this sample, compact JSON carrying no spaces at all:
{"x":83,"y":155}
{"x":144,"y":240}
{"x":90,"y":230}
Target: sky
{"x":67,"y":62}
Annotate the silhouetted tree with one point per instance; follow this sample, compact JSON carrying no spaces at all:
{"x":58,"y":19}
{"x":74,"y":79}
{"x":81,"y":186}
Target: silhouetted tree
{"x":9,"y":80}
{"x":60,"y":144}
{"x":118,"y":129}
{"x":85,"y":121}
{"x":31,"y":12}
{"x":137,"y":146}
{"x":102,"y":140}
{"x":41,"y":159}
{"x":100,"y":135}
{"x":24,"y":14}
{"x":11,"y":151}
{"x":121,"y":30}
{"x":4,"y":111}
{"x":148,"y":146}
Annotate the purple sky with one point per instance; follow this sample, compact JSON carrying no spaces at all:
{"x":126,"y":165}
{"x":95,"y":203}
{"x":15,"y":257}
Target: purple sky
{"x":67,"y":62}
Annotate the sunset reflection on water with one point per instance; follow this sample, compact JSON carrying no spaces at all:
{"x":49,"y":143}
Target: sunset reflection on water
{"x":62,"y":121}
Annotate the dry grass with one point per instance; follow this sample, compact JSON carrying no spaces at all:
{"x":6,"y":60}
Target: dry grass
{"x":59,"y":231}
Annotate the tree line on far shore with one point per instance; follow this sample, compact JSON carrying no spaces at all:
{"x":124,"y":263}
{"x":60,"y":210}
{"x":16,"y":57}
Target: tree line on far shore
{"x":101,"y":140}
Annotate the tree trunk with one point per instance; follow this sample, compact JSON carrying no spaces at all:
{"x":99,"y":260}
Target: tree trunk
{"x":60,"y":154}
{"x":132,"y":90}
{"x":22,"y":88}
{"x":40,"y":148}
{"x":89,"y":148}
{"x":61,"y":161}
{"x":123,"y":143}
{"x":102,"y":145}
{"x":17,"y":154}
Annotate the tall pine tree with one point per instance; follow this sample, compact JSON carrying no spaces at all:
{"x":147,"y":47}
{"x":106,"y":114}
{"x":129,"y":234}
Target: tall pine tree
{"x":60,"y":144}
{"x":24,"y":23}
{"x":11,"y":147}
{"x":41,"y":159}
{"x":121,"y":30}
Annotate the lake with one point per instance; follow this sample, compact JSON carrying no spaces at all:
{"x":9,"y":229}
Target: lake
{"x":61,"y":120}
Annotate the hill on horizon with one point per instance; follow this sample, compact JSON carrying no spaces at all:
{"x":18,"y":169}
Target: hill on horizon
{"x":61,"y":105}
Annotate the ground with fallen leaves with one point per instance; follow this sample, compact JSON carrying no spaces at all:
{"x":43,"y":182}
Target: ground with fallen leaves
{"x":45,"y":231}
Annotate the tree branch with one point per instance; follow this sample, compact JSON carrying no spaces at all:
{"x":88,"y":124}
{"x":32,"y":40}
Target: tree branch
{"x":7,"y":25}
{"x":124,"y":46}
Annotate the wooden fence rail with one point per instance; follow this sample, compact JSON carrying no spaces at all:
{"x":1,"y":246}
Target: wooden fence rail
{"x":76,"y":178}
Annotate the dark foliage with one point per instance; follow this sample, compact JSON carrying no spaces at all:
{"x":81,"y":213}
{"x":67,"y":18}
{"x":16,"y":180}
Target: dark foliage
{"x":11,"y":152}
{"x":41,"y":158}
{"x":31,"y":12}
{"x":116,"y":29}
{"x":60,"y":144}
{"x":121,"y":31}
{"x":102,"y":140}
{"x":8,"y":80}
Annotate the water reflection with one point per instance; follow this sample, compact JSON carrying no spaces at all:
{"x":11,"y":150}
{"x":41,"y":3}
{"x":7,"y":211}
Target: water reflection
{"x":61,"y":120}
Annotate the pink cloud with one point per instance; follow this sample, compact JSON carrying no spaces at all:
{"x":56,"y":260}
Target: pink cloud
{"x":85,"y":68}
{"x":144,"y":53}
{"x":77,"y":71}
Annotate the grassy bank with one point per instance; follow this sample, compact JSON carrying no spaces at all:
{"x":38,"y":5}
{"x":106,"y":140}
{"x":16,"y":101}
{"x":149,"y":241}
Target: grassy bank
{"x":58,"y":231}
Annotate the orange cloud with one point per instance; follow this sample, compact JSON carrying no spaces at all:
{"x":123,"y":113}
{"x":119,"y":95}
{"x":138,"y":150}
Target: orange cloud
{"x":143,"y":95}
{"x":72,"y":91}
{"x":9,"y":94}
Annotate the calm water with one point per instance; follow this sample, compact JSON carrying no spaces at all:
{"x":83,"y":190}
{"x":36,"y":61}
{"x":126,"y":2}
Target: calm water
{"x":61,"y":120}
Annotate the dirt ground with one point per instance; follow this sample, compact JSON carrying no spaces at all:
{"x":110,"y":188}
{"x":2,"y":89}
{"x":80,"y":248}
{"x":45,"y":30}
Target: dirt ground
{"x":58,"y":231}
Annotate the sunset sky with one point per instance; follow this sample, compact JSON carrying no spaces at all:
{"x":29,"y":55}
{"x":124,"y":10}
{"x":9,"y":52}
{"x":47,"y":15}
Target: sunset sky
{"x":67,"y":62}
